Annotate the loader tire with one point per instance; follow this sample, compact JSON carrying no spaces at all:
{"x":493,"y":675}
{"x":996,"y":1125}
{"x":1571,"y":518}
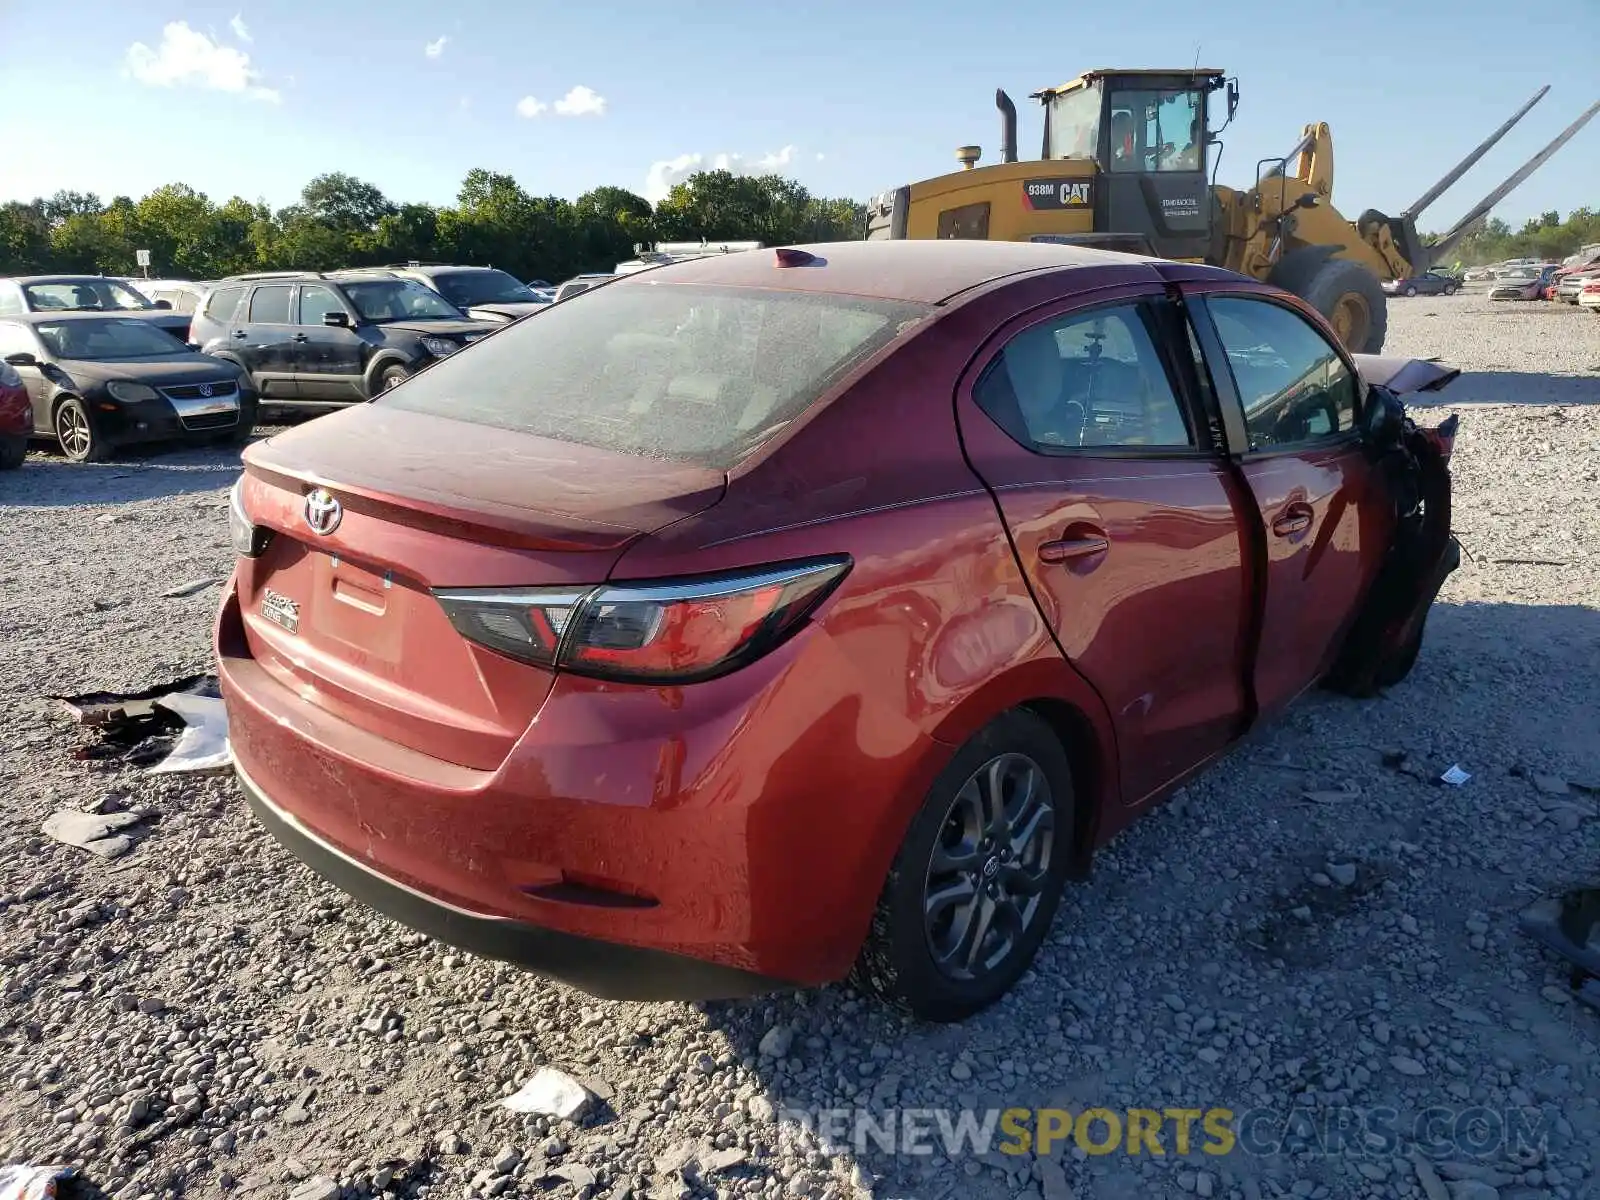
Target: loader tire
{"x":1348,"y":295}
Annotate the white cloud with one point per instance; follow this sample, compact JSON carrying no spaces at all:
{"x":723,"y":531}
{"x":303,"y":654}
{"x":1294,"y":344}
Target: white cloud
{"x":530,"y":108}
{"x":663,"y":176}
{"x":240,"y":29}
{"x":777,"y":161}
{"x":187,"y":57}
{"x":820,"y":156}
{"x":581,"y":102}
{"x":434,"y":49}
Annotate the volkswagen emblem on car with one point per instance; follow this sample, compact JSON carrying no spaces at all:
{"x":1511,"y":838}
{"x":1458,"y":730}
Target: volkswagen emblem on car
{"x":323,"y":511}
{"x":205,"y":389}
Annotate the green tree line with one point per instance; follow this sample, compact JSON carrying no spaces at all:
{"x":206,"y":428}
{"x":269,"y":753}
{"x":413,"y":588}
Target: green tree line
{"x":341,"y":221}
{"x":1545,"y":237}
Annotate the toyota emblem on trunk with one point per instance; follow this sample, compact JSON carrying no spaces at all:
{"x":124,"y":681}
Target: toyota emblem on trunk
{"x":323,"y":511}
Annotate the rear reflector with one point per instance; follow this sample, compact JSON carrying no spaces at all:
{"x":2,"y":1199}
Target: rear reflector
{"x":672,"y":631}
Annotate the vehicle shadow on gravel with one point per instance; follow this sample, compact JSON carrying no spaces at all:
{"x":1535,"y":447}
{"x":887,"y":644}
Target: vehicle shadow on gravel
{"x":1217,"y":942}
{"x":1514,"y":387}
{"x":45,"y":482}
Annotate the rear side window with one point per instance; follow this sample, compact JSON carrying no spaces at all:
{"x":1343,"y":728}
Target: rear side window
{"x":694,"y":374}
{"x":970,"y":221}
{"x":1083,"y":381}
{"x":270,"y":305}
{"x":220,"y":305}
{"x":1294,"y":386}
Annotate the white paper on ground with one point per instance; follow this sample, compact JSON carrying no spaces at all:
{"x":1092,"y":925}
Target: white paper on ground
{"x":552,"y":1092}
{"x":203,"y":744}
{"x":1455,"y":776}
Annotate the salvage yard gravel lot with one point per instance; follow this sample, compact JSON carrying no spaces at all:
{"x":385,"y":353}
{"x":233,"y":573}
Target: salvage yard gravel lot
{"x":1314,"y":924}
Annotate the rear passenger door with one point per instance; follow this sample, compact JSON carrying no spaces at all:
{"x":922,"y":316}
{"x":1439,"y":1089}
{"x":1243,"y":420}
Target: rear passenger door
{"x":1125,"y":518}
{"x":1290,"y":398}
{"x":264,"y":341}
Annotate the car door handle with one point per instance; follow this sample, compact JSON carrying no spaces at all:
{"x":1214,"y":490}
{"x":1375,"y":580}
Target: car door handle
{"x":239,"y":333}
{"x":1066,"y":549}
{"x":1293,"y":520}
{"x":300,"y":337}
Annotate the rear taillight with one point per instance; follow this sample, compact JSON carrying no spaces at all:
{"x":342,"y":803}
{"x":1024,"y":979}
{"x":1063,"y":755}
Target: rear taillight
{"x":669,"y":631}
{"x":248,"y":539}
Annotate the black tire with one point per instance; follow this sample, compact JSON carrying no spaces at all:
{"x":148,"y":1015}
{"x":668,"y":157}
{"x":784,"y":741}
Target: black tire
{"x":1411,"y":289}
{"x":1398,"y":665}
{"x":12,"y":451}
{"x":897,"y":961}
{"x":1342,"y":285}
{"x":1449,"y":289}
{"x":76,"y":432}
{"x":391,"y":376}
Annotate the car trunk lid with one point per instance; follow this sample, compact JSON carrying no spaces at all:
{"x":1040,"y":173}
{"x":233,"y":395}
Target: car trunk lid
{"x":347,"y":617}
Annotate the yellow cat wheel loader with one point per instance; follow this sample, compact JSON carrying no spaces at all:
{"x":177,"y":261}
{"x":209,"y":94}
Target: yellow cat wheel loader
{"x":1128,"y":162}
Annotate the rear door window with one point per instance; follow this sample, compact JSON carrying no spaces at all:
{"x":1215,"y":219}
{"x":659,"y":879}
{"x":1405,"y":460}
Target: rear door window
{"x":1086,"y":380}
{"x":696,"y":374}
{"x":270,"y":305}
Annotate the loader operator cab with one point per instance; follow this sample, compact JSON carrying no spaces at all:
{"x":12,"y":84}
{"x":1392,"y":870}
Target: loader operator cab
{"x":1146,"y":132}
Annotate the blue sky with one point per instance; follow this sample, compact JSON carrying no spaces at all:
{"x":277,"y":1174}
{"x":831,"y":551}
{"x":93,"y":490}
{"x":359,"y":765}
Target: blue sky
{"x":254,"y":97}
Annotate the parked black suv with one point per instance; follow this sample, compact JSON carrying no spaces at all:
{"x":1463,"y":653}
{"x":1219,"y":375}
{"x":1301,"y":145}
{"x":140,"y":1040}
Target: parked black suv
{"x":337,"y":337}
{"x":483,"y":293}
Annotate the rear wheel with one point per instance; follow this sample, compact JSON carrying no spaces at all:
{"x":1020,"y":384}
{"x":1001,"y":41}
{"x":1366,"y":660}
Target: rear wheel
{"x":1398,"y":665}
{"x":976,"y":883}
{"x":75,"y":430}
{"x":1449,"y":289}
{"x":1349,"y":296}
{"x":1411,"y":289}
{"x":12,"y":451}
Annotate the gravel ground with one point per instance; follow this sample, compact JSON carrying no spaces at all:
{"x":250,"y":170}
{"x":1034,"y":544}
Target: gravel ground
{"x":1305,"y":928}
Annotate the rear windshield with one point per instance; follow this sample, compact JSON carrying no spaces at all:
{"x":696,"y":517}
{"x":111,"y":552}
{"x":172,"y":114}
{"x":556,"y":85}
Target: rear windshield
{"x":693,"y":374}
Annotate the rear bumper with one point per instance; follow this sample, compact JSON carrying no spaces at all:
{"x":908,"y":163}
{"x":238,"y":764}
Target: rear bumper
{"x":604,"y":969}
{"x":709,"y":841}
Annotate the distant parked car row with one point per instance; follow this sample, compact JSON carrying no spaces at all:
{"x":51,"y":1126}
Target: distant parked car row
{"x":94,"y":362}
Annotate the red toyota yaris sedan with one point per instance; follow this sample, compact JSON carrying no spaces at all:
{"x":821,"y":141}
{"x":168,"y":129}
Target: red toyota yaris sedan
{"x":16,"y":417}
{"x":787,"y":615}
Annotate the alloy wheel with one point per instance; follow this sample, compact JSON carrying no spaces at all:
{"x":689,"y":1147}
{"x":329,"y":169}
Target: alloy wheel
{"x":73,"y":432}
{"x":990,"y":867}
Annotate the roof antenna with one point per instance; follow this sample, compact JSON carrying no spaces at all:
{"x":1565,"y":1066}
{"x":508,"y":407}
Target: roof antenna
{"x":1196,"y":66}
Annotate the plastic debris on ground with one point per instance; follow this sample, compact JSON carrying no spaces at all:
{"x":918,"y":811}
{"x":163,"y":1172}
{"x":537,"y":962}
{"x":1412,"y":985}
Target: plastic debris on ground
{"x":1455,"y":776}
{"x":172,"y":727}
{"x":94,"y":832}
{"x":22,"y":1182}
